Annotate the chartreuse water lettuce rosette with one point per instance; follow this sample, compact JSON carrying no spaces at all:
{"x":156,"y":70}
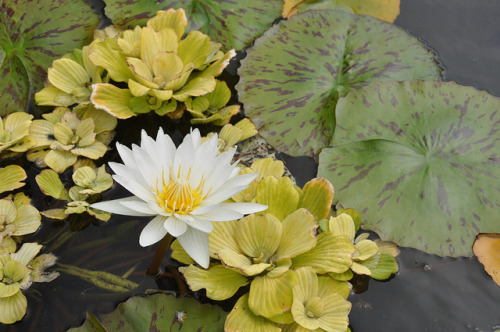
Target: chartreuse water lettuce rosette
{"x":89,"y":182}
{"x":14,"y":134}
{"x":70,"y":80}
{"x":163,"y":71}
{"x":17,"y":217}
{"x":18,"y":270}
{"x":11,"y":177}
{"x":66,"y":136}
{"x":184,"y":188}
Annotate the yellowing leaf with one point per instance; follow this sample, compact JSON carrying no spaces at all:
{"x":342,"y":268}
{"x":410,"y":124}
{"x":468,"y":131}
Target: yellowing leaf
{"x":317,"y":197}
{"x":242,"y":319}
{"x":385,"y":10}
{"x":487,"y":249}
{"x":11,"y":177}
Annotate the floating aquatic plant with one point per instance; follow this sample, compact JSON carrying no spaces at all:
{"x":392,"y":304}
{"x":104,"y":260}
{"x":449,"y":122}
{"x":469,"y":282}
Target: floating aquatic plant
{"x":14,"y":134}
{"x":230,"y":134}
{"x":65,"y":136}
{"x":89,"y":183}
{"x":184,"y":188}
{"x":70,"y":80}
{"x":17,"y":272}
{"x":18,"y":217}
{"x":163,"y":71}
{"x":11,"y":177}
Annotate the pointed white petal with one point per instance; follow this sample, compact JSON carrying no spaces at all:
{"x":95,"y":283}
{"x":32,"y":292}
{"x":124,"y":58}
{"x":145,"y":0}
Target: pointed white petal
{"x":119,"y":206}
{"x":175,"y":226}
{"x":139,"y":206}
{"x":219,"y":214}
{"x":201,"y":224}
{"x":135,"y":188}
{"x":146,"y":164}
{"x":153,"y":232}
{"x":126,"y":155}
{"x":195,"y":243}
{"x":245,"y":208}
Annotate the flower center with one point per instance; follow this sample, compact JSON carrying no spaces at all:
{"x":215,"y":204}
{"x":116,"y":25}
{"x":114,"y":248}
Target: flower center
{"x":314,"y":307}
{"x":177,"y":196}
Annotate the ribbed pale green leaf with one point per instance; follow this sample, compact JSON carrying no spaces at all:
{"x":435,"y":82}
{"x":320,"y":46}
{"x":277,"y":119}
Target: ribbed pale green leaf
{"x":259,"y":235}
{"x":242,"y":319}
{"x":50,"y":184}
{"x":11,"y":177}
{"x":279,"y":194}
{"x":13,"y":308}
{"x":220,"y":282}
{"x":317,"y":197}
{"x":299,"y":234}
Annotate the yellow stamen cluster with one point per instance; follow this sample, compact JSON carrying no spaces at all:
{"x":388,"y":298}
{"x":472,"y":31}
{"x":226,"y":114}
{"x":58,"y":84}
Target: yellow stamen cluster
{"x":177,"y":196}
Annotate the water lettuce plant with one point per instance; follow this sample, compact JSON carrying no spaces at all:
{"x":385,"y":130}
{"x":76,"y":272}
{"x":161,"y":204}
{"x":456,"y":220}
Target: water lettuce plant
{"x":18,"y":217}
{"x":66,"y":136}
{"x":70,"y":80}
{"x":89,"y":183}
{"x":184,"y":188}
{"x":163,"y":71}
{"x":14,"y":134}
{"x":18,"y":270}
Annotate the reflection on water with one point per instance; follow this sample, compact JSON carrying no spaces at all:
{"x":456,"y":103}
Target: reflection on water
{"x":429,"y":293}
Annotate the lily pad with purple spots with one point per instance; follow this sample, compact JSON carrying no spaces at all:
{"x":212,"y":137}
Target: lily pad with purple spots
{"x":292,"y":77}
{"x":420,"y":161}
{"x":233,"y":23}
{"x":32,"y":35}
{"x":157,"y":312}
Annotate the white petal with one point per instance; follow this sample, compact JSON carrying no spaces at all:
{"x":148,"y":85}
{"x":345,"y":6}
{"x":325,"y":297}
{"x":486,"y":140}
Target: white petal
{"x":126,"y":171}
{"x":195,"y":137}
{"x":118,"y":206}
{"x":126,"y":155}
{"x":175,"y":226}
{"x":195,"y":243}
{"x":139,"y":206}
{"x":201,"y":224}
{"x":245,"y":208}
{"x":166,"y":151}
{"x":135,"y":188}
{"x":230,"y":188}
{"x":153,"y":232}
{"x":219,"y":214}
{"x":146,"y":164}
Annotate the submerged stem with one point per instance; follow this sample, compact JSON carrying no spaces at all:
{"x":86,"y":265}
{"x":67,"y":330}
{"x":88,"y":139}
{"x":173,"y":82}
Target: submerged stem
{"x":154,"y":267}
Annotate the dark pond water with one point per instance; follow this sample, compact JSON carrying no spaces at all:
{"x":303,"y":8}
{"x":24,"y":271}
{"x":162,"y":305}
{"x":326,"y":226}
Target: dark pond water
{"x":428,"y":294}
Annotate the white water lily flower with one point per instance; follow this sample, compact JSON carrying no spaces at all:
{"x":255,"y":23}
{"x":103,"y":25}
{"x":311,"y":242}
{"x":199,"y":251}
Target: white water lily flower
{"x":184,"y":188}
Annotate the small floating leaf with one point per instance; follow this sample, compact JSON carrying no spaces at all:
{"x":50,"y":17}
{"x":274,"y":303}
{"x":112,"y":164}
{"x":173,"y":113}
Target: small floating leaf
{"x":419,"y":161}
{"x":487,"y":250}
{"x":293,"y":76}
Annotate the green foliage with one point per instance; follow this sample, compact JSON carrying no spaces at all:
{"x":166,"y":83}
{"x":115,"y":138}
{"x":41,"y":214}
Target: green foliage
{"x":18,"y":270}
{"x":164,"y":72}
{"x":17,"y":218}
{"x":14,"y":134}
{"x":297,"y":71}
{"x":432,"y":170}
{"x":11,"y":177}
{"x":160,"y":312}
{"x":90,"y":182}
{"x":235,"y":24}
{"x":65,"y":136}
{"x":30,"y":39}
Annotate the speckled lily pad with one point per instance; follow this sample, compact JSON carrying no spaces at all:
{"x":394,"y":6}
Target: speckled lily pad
{"x":294,"y":74}
{"x":420,"y":161}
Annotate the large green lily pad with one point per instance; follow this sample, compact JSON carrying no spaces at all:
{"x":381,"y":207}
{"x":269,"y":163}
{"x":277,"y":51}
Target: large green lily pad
{"x":294,"y":74}
{"x":32,"y":35}
{"x":420,"y":160}
{"x":234,"y":24}
{"x":158,"y":312}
